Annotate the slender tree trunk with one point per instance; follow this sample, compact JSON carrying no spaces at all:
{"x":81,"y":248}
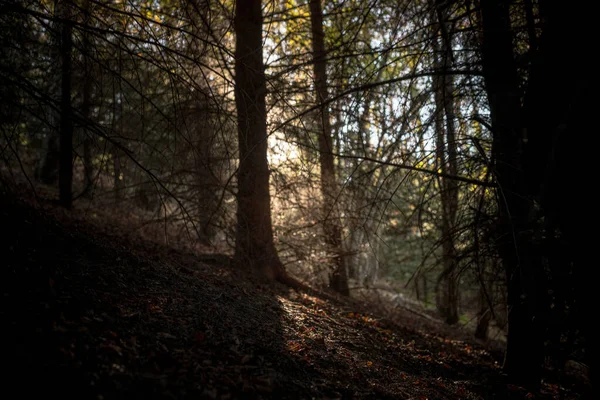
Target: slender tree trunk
{"x":65,"y":177}
{"x":524,"y":353}
{"x":254,"y":245}
{"x":447,"y":286}
{"x":416,"y":283}
{"x":354,"y":253}
{"x":484,"y":315}
{"x":371,"y":266}
{"x":208,"y":186}
{"x":331,"y":219}
{"x":117,"y":126}
{"x":86,"y":103}
{"x":50,"y":163}
{"x":117,"y":176}
{"x":48,"y":172}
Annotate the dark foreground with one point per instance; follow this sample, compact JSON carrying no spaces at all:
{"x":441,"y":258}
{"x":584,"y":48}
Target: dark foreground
{"x":89,"y":314}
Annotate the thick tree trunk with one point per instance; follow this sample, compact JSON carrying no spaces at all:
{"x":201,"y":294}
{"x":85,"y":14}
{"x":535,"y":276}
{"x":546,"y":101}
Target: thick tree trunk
{"x":524,"y":354}
{"x":559,"y":101}
{"x":65,"y":177}
{"x":331,"y":218}
{"x":254,"y":245}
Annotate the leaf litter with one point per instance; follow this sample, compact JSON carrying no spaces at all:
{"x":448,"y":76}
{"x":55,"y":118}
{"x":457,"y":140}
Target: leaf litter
{"x":92,"y":313}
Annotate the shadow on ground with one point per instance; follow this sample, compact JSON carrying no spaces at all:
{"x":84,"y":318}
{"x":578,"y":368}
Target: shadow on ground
{"x":91,"y":313}
{"x":94,"y":316}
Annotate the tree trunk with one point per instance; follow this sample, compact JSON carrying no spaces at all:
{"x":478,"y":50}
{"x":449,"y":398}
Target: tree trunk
{"x":88,"y":170}
{"x":254,"y":245}
{"x":447,"y":287}
{"x":208,"y":186}
{"x":117,"y":175}
{"x":484,"y":315}
{"x":353,"y":259}
{"x":65,"y":176}
{"x":117,"y":127}
{"x":48,"y":172}
{"x":559,"y":102}
{"x":524,"y":353}
{"x":49,"y":166}
{"x":331,"y":218}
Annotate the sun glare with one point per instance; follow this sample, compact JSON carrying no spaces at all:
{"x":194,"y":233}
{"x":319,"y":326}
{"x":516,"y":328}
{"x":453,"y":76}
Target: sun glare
{"x":281,"y":151}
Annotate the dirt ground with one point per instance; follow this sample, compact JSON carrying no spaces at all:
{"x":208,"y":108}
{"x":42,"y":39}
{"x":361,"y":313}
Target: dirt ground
{"x":89,"y":313}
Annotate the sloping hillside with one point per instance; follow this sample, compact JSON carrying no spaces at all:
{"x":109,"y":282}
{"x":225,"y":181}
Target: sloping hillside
{"x":96,"y":315}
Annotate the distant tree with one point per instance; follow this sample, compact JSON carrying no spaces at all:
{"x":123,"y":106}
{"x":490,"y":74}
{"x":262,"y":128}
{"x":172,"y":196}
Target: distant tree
{"x":65,"y":176}
{"x":86,"y":105}
{"x":48,"y":170}
{"x":329,"y":187}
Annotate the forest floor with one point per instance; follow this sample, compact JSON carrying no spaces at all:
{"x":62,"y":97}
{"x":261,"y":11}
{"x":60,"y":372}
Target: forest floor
{"x":89,"y":313}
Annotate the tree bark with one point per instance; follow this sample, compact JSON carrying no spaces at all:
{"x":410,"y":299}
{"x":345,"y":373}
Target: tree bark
{"x":524,"y":353}
{"x":447,"y":288}
{"x":254,"y":246}
{"x":49,"y":166}
{"x":86,"y":102}
{"x":65,"y":176}
{"x":117,"y":175}
{"x":484,"y":315}
{"x":558,"y":105}
{"x":332,"y":225}
{"x":117,"y":127}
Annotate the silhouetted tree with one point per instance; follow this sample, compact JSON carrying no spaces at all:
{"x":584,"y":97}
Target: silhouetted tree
{"x":86,"y":98}
{"x":539,"y":235}
{"x":65,"y":177}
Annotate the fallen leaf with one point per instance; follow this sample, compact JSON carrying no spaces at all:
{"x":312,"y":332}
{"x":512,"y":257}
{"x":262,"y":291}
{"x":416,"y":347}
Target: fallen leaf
{"x":165,"y":335}
{"x":246,"y":358}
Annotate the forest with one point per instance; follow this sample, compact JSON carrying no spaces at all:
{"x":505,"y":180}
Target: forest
{"x":345,"y":199}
